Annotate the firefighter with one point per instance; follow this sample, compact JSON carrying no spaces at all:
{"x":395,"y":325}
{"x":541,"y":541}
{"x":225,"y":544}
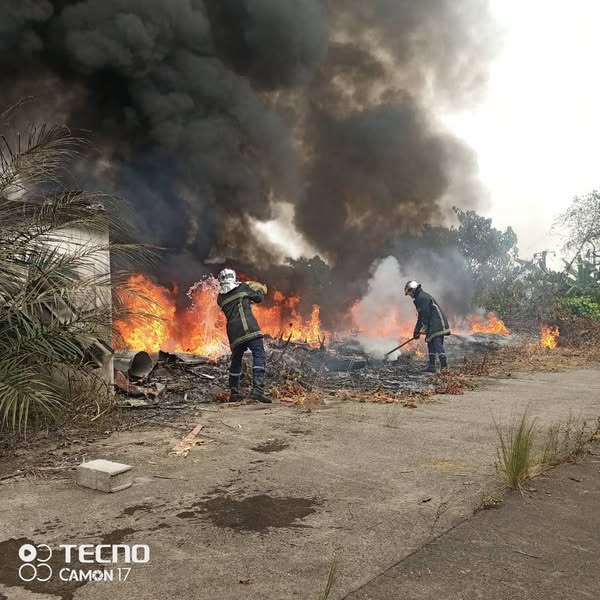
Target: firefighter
{"x":431,"y":321}
{"x":235,"y":300}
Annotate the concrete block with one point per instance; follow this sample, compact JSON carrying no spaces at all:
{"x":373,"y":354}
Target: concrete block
{"x":104,"y":475}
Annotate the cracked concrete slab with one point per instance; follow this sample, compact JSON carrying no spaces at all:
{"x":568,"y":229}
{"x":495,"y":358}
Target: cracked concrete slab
{"x":275,"y":495}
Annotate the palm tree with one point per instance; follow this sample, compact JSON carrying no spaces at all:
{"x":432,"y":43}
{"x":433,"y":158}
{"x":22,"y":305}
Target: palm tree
{"x":56,"y":290}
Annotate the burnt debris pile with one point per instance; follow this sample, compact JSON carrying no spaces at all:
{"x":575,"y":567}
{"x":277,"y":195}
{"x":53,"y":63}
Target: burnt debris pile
{"x":166,"y":381}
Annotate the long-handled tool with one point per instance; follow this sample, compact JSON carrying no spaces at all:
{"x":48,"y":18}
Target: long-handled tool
{"x":398,"y":347}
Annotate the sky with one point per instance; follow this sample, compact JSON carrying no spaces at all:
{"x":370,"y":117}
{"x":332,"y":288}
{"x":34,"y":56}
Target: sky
{"x":536,"y":133}
{"x":537,"y":130}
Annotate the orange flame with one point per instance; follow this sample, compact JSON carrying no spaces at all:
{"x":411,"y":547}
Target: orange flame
{"x":200,"y":328}
{"x":383,"y":324}
{"x":549,"y":336}
{"x":491,"y":324}
{"x":283,"y":319}
{"x":139,"y":332}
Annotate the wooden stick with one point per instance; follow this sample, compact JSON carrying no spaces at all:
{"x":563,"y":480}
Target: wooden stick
{"x":187,"y":441}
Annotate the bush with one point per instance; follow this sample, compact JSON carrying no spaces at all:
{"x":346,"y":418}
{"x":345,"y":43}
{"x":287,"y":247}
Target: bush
{"x":583,"y":306}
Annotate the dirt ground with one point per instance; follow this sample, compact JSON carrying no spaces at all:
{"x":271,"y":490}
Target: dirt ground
{"x":274,"y":496}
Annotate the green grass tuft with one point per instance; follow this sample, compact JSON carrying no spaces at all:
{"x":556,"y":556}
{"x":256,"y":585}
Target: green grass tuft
{"x":516,"y":458}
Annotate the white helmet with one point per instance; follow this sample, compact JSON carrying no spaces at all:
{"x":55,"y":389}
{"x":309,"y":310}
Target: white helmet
{"x":228,"y":280}
{"x":411,"y":288}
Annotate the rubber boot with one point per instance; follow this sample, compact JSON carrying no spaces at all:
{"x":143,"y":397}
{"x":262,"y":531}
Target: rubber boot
{"x":443,"y":362}
{"x":234,"y":387}
{"x":431,"y":366}
{"x":258,"y":387}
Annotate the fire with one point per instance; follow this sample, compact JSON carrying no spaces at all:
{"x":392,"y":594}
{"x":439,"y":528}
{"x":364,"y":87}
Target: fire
{"x":200,"y":328}
{"x":283,"y":319}
{"x":202,"y":325}
{"x":549,"y":336}
{"x":384,"y":323}
{"x":151,"y":311}
{"x":491,"y":324}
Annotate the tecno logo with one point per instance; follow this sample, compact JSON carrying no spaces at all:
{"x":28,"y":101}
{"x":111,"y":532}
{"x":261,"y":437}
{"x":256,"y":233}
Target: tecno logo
{"x":35,"y":562}
{"x":107,"y":553}
{"x":36,"y":559}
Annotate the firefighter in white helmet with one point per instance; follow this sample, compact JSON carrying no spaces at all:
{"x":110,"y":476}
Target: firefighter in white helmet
{"x":235,"y":299}
{"x":431,"y":321}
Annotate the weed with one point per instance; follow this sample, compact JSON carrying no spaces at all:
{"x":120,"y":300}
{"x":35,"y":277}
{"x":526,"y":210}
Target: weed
{"x":441,"y":509}
{"x":331,"y":579}
{"x":520,"y":458}
{"x":490,"y":501}
{"x":516,"y":451}
{"x":392,"y":419}
{"x":564,"y":442}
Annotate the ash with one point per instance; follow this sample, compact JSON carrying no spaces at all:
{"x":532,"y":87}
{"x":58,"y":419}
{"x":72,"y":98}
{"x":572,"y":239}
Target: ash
{"x":181,"y":382}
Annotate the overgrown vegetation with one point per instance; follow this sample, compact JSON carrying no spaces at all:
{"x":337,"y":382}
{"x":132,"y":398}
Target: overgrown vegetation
{"x":525,"y":449}
{"x":531,"y":289}
{"x":582,"y":306}
{"x":56,"y":302}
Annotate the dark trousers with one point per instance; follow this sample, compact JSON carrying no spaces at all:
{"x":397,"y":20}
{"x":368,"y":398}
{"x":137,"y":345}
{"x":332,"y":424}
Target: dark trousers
{"x":259,"y":358}
{"x":436,"y":346}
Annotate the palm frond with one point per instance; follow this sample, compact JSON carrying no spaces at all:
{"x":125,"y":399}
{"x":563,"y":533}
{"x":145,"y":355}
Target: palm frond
{"x":56,"y":289}
{"x":36,"y":157}
{"x":23,"y":390}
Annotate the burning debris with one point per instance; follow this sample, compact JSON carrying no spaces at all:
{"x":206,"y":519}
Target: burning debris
{"x":491,"y":324}
{"x":549,"y":337}
{"x":302,"y":353}
{"x":298,"y":373}
{"x":199,"y":327}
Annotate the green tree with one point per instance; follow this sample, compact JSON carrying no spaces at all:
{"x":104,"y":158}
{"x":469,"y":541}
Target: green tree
{"x":581,"y":224}
{"x":490,"y":253}
{"x":56,"y":303}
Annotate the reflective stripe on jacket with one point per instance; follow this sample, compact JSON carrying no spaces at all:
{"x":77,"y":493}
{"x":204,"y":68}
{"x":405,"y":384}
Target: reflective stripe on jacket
{"x":431,"y":318}
{"x":237,"y":306}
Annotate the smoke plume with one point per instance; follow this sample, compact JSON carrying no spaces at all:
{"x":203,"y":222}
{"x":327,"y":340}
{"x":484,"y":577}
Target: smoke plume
{"x":387,"y":313}
{"x":206,"y":113}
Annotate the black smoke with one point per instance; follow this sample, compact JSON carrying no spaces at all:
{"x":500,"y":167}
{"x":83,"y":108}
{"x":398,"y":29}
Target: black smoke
{"x":206,"y":112}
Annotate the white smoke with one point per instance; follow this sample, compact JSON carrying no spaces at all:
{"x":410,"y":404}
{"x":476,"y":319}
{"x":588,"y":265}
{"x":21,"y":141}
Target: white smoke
{"x":386,"y":317}
{"x":384,"y":311}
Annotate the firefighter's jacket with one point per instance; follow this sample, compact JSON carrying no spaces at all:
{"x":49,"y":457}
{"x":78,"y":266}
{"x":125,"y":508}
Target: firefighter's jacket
{"x":431,"y":319}
{"x":236,"y":304}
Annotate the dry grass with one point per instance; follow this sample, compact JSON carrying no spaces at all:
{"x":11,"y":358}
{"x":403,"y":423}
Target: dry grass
{"x":564,"y":442}
{"x":331,"y":579}
{"x":293,"y":392}
{"x":392,"y":417}
{"x":506,"y":361}
{"x":453,"y":382}
{"x":526,"y":451}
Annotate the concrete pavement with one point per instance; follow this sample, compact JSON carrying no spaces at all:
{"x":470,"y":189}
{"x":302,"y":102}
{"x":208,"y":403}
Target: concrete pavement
{"x":540,"y":546}
{"x":276,"y":495}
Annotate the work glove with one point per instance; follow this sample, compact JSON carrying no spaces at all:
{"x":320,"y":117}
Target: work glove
{"x":258,"y":287}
